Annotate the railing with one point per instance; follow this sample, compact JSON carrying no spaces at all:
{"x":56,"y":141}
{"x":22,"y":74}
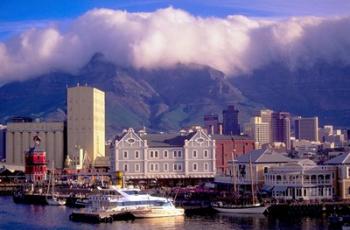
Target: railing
{"x":299,"y":182}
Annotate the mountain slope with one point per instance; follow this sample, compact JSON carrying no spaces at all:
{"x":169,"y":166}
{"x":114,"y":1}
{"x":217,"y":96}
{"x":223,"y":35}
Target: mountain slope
{"x":160,"y":99}
{"x":320,"y":90}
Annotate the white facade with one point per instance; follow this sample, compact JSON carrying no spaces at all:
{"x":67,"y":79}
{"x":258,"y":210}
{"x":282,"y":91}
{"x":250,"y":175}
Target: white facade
{"x":142,"y":156}
{"x":305,"y":148}
{"x":301,"y":180}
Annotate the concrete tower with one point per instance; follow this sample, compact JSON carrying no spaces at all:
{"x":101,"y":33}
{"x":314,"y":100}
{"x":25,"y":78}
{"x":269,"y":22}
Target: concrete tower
{"x":85,"y":125}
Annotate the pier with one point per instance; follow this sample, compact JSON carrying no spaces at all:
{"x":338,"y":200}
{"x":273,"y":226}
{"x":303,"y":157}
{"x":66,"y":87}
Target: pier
{"x":309,"y":209}
{"x":102,"y":216}
{"x":9,"y":188}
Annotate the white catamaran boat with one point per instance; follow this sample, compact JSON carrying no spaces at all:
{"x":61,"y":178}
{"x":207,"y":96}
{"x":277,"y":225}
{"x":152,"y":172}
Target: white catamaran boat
{"x":130,"y":200}
{"x":51,"y":197}
{"x":253,"y":208}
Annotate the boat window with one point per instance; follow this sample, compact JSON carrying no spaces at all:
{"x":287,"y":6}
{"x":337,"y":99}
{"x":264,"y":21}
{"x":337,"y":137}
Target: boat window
{"x":132,"y":192}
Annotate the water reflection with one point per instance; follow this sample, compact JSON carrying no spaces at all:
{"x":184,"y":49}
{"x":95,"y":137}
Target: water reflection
{"x":15,"y":216}
{"x":161,"y":223}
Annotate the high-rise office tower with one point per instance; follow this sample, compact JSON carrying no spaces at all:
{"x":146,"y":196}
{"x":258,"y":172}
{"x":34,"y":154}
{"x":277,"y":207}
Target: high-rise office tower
{"x":266,"y":117}
{"x":85,"y":125}
{"x":230,"y":121}
{"x":306,"y":128}
{"x":280,"y":126}
{"x":259,"y":131}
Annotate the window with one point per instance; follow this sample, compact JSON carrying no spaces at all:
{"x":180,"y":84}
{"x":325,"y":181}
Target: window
{"x":152,"y":167}
{"x":137,"y":167}
{"x":177,"y":167}
{"x":206,"y":167}
{"x":156,"y":167}
{"x":174,"y":153}
{"x":165,"y":154}
{"x":125,"y":154}
{"x":266,"y":169}
{"x":156,"y":154}
{"x":179,"y":153}
{"x":125,"y":168}
{"x":137,"y":154}
{"x":205,"y":153}
{"x":195,"y":168}
{"x":165,"y":167}
{"x":194,"y":153}
{"x":151,"y":154}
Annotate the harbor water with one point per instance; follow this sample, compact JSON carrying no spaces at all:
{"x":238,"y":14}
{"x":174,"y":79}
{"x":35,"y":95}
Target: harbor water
{"x":30,"y":217}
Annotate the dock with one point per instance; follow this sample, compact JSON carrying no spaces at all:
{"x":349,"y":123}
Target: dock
{"x":102,"y":216}
{"x":309,"y":209}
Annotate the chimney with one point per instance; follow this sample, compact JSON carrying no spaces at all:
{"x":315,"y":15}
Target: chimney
{"x":220,"y":128}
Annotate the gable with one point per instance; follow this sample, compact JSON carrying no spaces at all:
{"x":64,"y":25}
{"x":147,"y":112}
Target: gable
{"x":130,"y":140}
{"x":199,"y":138}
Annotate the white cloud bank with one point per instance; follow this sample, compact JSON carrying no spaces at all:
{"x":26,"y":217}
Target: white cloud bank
{"x":235,"y":44}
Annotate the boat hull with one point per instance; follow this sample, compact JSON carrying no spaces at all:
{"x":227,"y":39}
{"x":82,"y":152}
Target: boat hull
{"x":154,"y":213}
{"x":54,"y":201}
{"x":242,"y":210}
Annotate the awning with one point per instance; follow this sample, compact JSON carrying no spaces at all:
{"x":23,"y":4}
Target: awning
{"x":280,"y":188}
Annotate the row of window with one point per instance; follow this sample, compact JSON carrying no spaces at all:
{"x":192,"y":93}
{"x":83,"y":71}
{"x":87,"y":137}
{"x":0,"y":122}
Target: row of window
{"x":154,"y":167}
{"x":155,"y":154}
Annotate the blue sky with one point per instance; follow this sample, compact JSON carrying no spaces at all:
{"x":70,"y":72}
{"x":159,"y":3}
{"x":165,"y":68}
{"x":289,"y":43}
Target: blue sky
{"x":19,"y":15}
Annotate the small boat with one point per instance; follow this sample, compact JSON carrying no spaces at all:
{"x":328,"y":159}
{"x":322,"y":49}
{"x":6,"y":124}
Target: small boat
{"x":82,"y":203}
{"x":55,"y":201}
{"x":256,"y":208}
{"x":252,"y":208}
{"x":52,"y":198}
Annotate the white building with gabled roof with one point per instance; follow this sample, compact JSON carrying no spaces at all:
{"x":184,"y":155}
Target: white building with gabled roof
{"x":302,"y":179}
{"x":141,"y":156}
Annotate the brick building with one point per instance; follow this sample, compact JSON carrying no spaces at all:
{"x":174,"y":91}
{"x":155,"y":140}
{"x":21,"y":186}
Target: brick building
{"x":228,"y":147}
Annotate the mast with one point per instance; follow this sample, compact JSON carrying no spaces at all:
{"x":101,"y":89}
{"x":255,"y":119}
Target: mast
{"x":53,"y":177}
{"x":234,"y":174}
{"x":48,"y":185}
{"x":251,"y":177}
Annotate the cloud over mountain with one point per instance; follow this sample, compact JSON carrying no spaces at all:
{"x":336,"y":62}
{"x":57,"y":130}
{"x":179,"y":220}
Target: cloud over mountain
{"x":235,"y":44}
